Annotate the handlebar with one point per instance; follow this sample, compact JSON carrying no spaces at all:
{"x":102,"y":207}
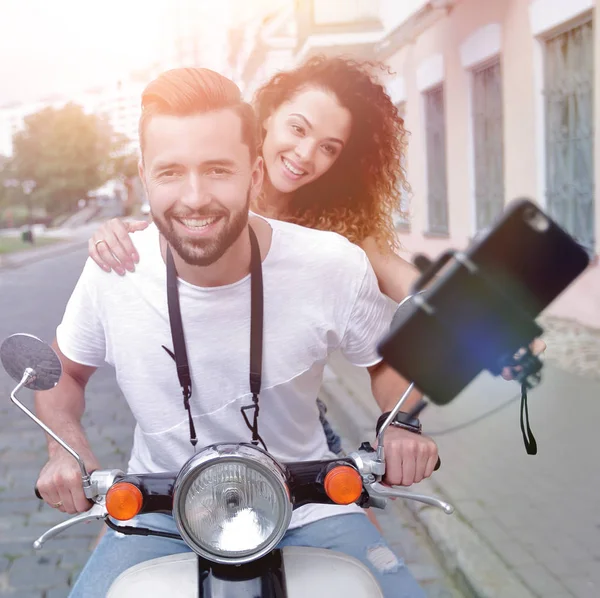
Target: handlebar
{"x":160,"y":482}
{"x":305,"y":481}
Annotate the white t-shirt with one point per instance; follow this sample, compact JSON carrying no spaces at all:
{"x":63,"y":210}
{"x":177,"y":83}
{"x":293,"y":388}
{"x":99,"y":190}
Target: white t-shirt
{"x":320,"y":294}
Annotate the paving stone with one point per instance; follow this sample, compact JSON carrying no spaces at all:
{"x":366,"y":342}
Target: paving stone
{"x":514,"y":554}
{"x":22,"y":490}
{"x":436,"y":589}
{"x":491,"y":530}
{"x":46,"y":516}
{"x":62,"y":544}
{"x":572,"y":346}
{"x":29,"y":573}
{"x":539,"y":579}
{"x":84,"y":530}
{"x":25,"y":533}
{"x":11,"y":521}
{"x":12,"y":550}
{"x":74,"y":560}
{"x":472,"y":509}
{"x":18,"y":507}
{"x":582,"y":587}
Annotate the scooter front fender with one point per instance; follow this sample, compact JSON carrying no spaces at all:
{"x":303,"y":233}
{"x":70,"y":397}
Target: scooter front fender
{"x":314,"y":572}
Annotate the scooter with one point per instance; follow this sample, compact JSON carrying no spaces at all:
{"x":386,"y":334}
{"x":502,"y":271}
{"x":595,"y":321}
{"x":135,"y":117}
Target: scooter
{"x":232,"y":503}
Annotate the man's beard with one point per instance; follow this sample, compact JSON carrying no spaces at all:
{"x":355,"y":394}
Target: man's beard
{"x":204,"y":252}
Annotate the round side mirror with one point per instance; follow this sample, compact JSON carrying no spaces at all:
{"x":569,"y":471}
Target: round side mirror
{"x":21,"y":351}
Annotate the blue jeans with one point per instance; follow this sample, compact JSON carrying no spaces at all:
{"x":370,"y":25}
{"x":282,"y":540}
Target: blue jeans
{"x":352,"y":534}
{"x":334,"y":442}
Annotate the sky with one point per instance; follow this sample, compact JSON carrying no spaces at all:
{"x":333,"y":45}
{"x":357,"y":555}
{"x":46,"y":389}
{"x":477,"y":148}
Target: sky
{"x":59,"y":46}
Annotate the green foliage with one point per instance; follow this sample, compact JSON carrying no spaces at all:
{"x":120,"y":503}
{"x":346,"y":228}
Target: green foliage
{"x":7,"y":194}
{"x":67,"y":152}
{"x":124,"y":164}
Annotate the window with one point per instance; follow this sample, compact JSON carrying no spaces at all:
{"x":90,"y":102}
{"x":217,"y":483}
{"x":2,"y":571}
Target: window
{"x":401,"y":217}
{"x":569,"y":113}
{"x":488,"y":146}
{"x":435,"y":135}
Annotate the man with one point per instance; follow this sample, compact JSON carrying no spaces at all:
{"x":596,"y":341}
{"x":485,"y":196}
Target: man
{"x":201,"y":170}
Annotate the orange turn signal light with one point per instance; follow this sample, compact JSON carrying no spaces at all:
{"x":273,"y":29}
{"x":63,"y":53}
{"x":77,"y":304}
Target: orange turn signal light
{"x":343,"y":485}
{"x":124,"y":501}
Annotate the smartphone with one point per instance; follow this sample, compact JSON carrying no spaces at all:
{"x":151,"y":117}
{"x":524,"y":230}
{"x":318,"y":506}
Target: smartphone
{"x":482,"y":306}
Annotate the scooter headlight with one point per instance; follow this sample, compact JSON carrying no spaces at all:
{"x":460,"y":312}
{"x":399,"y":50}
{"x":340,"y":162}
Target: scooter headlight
{"x":231,"y":503}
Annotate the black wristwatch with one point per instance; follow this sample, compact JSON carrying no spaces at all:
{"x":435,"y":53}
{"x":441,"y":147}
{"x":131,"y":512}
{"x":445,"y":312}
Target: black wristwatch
{"x":402,"y":420}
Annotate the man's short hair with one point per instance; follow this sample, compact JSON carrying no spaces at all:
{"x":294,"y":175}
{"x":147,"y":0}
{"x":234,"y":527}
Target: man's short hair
{"x":189,"y":91}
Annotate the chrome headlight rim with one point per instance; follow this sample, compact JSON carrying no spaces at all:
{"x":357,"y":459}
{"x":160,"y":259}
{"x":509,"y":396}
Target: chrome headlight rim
{"x":231,"y":453}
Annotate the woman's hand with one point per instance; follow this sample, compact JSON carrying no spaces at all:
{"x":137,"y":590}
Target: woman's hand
{"x":111,"y":247}
{"x":537,"y":347}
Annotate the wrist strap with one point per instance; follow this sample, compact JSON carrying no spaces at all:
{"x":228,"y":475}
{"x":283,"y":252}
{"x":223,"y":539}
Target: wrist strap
{"x":402,"y":420}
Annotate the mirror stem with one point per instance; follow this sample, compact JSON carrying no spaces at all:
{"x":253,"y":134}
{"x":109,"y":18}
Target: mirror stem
{"x":28,"y":375}
{"x":390,"y":418}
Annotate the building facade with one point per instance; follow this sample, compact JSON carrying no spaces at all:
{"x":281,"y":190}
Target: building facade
{"x":499,"y":101}
{"x":262,"y":42}
{"x":498,"y":98}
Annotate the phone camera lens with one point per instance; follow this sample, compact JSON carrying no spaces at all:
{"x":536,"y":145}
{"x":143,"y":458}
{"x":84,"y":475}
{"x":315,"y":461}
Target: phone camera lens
{"x":536,"y":220}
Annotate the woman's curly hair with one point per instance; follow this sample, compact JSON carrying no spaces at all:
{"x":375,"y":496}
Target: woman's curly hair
{"x":359,"y":194}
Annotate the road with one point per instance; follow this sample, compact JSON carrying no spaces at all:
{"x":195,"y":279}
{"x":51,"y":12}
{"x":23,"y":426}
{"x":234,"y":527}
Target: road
{"x":32,"y":299}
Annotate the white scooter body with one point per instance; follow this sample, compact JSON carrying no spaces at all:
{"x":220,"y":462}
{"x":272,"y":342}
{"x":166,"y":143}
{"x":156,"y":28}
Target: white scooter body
{"x":314,"y":572}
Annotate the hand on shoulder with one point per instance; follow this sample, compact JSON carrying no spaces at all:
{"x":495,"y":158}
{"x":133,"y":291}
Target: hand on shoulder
{"x":111,"y":246}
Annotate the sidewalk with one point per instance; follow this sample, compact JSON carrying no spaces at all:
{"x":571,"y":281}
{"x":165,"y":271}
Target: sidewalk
{"x":401,"y":528}
{"x":524,"y":525}
{"x":72,"y":238}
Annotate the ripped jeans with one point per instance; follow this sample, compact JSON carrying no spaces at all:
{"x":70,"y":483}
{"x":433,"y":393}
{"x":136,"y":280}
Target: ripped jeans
{"x":352,"y":534}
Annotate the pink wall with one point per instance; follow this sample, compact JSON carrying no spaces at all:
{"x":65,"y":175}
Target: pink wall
{"x":521,"y":64}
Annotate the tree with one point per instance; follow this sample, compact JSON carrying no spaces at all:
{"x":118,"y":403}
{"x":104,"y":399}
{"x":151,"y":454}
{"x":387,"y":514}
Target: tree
{"x":4,"y":177}
{"x":125,"y":167}
{"x":10,"y":191}
{"x":124,"y":163}
{"x":67,"y":152}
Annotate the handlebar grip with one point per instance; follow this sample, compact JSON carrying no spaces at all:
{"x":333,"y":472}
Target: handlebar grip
{"x":37,"y":493}
{"x":438,"y":464}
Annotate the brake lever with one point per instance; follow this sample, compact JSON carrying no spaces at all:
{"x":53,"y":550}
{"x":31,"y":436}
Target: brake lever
{"x":378,"y":490}
{"x":98,"y":511}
